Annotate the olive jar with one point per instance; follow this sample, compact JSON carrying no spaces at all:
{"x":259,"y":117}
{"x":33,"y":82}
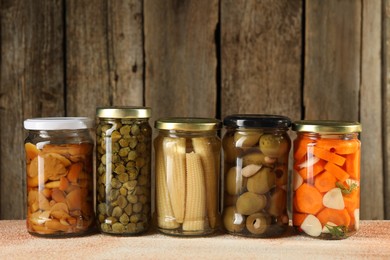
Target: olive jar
{"x":256,"y":150}
{"x":326,"y":178}
{"x":59,"y":166}
{"x":123,"y":175}
{"x":187,"y":169}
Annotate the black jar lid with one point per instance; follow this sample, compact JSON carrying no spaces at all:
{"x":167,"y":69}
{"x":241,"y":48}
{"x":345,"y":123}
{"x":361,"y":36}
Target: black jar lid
{"x":257,"y":121}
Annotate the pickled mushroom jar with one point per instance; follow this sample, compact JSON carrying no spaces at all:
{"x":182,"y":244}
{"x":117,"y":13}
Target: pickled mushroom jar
{"x":326,"y":178}
{"x":187,"y":169}
{"x":59,"y":166}
{"x":255,"y":149}
{"x":123,"y":174}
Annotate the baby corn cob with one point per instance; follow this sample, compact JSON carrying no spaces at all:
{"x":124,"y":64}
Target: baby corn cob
{"x":195,"y":212}
{"x":175,"y":159}
{"x":165,"y":217}
{"x":211,"y":170}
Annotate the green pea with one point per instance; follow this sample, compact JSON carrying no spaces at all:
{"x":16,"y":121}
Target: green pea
{"x":120,"y":169}
{"x":118,"y":228}
{"x":124,"y":219}
{"x":135,"y":129}
{"x":132,"y":155}
{"x":122,"y":201}
{"x":125,"y":130}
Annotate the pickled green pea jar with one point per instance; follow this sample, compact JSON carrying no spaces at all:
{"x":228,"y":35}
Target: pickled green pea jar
{"x":123,"y":174}
{"x":256,"y":150}
{"x":187,"y":170}
{"x":326,"y":178}
{"x":59,"y":167}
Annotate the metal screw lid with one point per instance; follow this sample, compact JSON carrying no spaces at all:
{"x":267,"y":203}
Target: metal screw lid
{"x":257,"y":121}
{"x":326,"y":126}
{"x":124,"y":112}
{"x":188,"y":124}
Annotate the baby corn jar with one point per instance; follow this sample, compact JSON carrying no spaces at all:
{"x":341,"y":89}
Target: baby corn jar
{"x":187,"y":169}
{"x":123,"y":174}
{"x":326,"y":178}
{"x":59,"y":164}
{"x":256,"y":149}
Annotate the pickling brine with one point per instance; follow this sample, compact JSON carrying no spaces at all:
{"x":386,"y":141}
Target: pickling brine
{"x":326,"y":178}
{"x":256,"y":149}
{"x":187,"y":176}
{"x":123,"y":174}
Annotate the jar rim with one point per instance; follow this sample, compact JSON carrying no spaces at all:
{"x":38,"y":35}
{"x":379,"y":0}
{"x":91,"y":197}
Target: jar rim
{"x":188,"y":124}
{"x":58,"y":123}
{"x":257,"y":121}
{"x":124,"y":112}
{"x":327,"y":126}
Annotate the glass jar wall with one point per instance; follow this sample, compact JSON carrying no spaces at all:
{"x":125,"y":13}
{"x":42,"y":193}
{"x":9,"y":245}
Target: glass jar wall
{"x":256,"y":149}
{"x":187,"y":176}
{"x":326,"y":179}
{"x":123,"y":161}
{"x":59,"y":158}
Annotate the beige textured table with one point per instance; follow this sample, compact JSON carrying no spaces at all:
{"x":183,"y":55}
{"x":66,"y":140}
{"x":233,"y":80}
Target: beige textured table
{"x":372,"y":241}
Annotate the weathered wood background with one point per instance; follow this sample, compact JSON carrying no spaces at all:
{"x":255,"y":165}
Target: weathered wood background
{"x":307,"y":59}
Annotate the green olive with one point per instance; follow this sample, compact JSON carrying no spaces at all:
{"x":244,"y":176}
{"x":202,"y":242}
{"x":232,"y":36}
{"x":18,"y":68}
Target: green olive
{"x":230,"y":152}
{"x":249,"y":203}
{"x":233,"y":221}
{"x":246,"y":138}
{"x":255,"y":157}
{"x":274,"y":145}
{"x":257,"y":223}
{"x":233,"y":181}
{"x":262,"y":181}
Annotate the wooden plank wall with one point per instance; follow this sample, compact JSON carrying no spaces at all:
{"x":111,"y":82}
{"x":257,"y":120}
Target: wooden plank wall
{"x":307,"y":59}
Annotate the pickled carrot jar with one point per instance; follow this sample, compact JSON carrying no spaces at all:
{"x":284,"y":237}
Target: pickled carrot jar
{"x":59,"y":165}
{"x":123,"y":170}
{"x":187,"y":169}
{"x":256,"y":149}
{"x":326,"y":178}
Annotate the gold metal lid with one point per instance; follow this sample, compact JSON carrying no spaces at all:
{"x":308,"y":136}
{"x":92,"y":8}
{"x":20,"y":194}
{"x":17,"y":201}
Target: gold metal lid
{"x":188,"y":124}
{"x":124,"y":112}
{"x":326,"y":126}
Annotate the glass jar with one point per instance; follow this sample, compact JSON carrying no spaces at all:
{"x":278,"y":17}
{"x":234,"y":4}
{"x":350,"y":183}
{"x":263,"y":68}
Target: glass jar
{"x":256,"y":149}
{"x":123,"y":174}
{"x":187,"y":172}
{"x":326,"y":178}
{"x":59,"y":166}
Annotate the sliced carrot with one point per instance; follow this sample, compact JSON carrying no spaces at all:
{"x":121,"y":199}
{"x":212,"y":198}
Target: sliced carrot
{"x":301,"y":146}
{"x":298,"y":218}
{"x":310,"y":172}
{"x":328,"y":156}
{"x":338,"y":217}
{"x":295,"y":205}
{"x":74,"y":172}
{"x":339,"y":146}
{"x":338,"y":172}
{"x":308,"y":199}
{"x":351,"y":201}
{"x":325,"y":181}
{"x":352,"y":165}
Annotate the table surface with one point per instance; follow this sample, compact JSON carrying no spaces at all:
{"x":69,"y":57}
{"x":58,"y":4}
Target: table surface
{"x":371,"y":241}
